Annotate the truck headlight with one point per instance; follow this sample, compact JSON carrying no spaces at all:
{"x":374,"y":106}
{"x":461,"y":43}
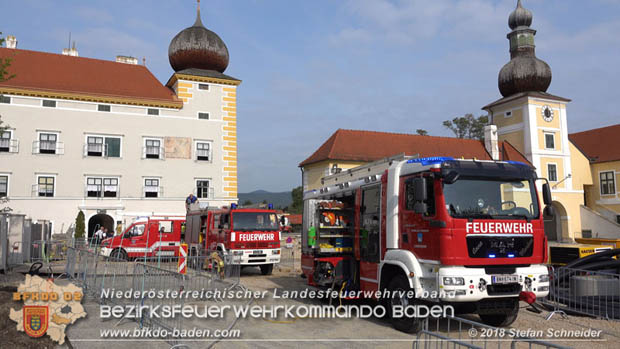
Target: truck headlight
{"x":453,"y":281}
{"x":543,"y":278}
{"x":238,"y":253}
{"x":275,"y":251}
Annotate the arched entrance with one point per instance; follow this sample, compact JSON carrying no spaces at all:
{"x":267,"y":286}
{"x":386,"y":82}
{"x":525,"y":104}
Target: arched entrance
{"x":99,"y":220}
{"x":555,"y":225}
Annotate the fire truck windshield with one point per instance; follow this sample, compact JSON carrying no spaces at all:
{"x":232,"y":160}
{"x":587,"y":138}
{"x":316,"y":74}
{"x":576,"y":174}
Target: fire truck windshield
{"x":472,"y":197}
{"x":250,"y":221}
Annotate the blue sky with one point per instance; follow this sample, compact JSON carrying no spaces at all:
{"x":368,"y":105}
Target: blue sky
{"x":311,"y":67}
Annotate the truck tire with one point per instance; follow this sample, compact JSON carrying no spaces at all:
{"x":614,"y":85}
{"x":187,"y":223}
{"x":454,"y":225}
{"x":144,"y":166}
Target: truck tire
{"x":405,"y":324}
{"x":266,"y":269}
{"x":119,"y":254}
{"x":503,"y":319}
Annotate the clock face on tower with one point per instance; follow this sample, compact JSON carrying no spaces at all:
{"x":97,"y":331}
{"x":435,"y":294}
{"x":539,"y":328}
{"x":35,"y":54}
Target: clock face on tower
{"x":547,"y":113}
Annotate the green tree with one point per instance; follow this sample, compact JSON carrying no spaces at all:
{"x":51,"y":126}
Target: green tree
{"x":298,"y":201}
{"x":4,"y":74}
{"x":80,"y":228}
{"x":421,"y":132}
{"x":247,"y":203}
{"x":468,"y":126}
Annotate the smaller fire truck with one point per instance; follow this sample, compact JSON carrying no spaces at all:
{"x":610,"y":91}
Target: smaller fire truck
{"x":252,"y":236}
{"x":147,"y":237}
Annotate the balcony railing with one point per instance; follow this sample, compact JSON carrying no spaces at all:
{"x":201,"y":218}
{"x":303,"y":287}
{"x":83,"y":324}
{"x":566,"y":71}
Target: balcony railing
{"x":42,"y":190}
{"x":153,"y":191}
{"x":151,"y":152}
{"x":101,"y":191}
{"x":48,"y":147}
{"x":210,"y":193}
{"x":94,"y":149}
{"x":9,"y":145}
{"x":203,"y":155}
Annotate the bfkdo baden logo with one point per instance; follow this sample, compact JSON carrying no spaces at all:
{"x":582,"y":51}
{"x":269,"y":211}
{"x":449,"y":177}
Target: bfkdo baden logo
{"x":35,"y":319}
{"x":48,"y":307}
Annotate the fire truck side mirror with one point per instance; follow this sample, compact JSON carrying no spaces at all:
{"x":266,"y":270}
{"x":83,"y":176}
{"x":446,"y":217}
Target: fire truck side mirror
{"x":546,"y":194}
{"x":419,"y":191}
{"x":451,"y":177}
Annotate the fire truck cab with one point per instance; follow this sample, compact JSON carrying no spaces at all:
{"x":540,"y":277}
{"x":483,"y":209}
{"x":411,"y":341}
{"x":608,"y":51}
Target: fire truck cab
{"x":465,"y":233}
{"x":251,"y":236}
{"x":147,"y":237}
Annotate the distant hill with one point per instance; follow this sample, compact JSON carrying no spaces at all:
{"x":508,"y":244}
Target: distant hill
{"x":282,"y":199}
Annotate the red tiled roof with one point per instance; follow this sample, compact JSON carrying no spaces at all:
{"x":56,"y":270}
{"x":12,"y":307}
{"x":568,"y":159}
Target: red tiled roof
{"x":54,"y":73}
{"x":367,"y":146}
{"x":600,"y":145}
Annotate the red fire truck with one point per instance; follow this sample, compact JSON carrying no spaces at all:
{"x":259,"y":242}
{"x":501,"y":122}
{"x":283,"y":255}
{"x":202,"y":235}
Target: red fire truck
{"x":252,"y":236}
{"x":147,"y":237}
{"x":465,"y":233}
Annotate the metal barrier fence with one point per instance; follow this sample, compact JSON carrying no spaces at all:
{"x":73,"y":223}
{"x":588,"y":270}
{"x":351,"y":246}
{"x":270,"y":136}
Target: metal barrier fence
{"x":584,"y":292}
{"x":290,"y":255}
{"x":100,"y":276}
{"x":456,"y":332}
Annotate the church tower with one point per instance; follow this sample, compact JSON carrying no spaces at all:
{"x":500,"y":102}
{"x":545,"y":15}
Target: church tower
{"x":199,"y":58}
{"x":535,"y":123}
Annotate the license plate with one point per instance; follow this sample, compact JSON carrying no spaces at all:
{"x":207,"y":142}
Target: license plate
{"x":504,"y":279}
{"x":257,"y":252}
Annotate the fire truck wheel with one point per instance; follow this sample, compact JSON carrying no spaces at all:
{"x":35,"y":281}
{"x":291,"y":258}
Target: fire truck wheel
{"x":400,"y":285}
{"x":266,"y":269}
{"x":501,"y":319}
{"x":119,"y":254}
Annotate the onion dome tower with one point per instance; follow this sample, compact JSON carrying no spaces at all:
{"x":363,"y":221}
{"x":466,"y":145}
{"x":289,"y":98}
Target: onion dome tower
{"x":199,"y":48}
{"x":524,"y":72}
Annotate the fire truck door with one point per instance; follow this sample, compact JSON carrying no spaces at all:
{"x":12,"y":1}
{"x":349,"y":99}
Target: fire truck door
{"x":370,"y":237}
{"x":166,"y":240}
{"x":414,"y":231}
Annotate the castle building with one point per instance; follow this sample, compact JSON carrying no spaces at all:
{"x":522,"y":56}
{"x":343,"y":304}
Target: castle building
{"x":527,"y":124}
{"x":107,"y":138}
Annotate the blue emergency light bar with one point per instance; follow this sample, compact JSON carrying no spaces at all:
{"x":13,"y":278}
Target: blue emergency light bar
{"x":430,"y":160}
{"x":511,"y":255}
{"x":270,"y":206}
{"x":233,"y":206}
{"x":516,"y":163}
{"x":491,"y":256}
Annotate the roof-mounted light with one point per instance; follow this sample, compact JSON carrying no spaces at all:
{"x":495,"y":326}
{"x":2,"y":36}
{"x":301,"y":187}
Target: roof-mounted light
{"x":430,"y":160}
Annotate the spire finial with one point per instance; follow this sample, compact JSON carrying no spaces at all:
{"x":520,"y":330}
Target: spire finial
{"x":198,"y":22}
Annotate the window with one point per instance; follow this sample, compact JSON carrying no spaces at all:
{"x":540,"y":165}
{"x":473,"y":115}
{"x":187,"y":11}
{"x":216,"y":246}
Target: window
{"x":4,"y":186}
{"x":203,"y":87}
{"x":152,"y":149}
{"x":5,"y":141}
{"x":165,"y":227}
{"x":549,"y":141}
{"x":203,"y":116}
{"x":508,"y":114}
{"x":48,"y":103}
{"x":97,"y":187}
{"x":110,"y":187}
{"x":94,"y":146}
{"x":203,"y":151}
{"x":151,"y":187}
{"x":45,"y":186}
{"x":93,"y":187}
{"x":202,"y":188}
{"x":136,"y":230}
{"x":47,"y":143}
{"x":608,"y":185}
{"x":552,"y":172}
{"x":103,"y":146}
{"x":103,"y":107}
{"x":5,"y":99}
{"x":152,"y":111}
